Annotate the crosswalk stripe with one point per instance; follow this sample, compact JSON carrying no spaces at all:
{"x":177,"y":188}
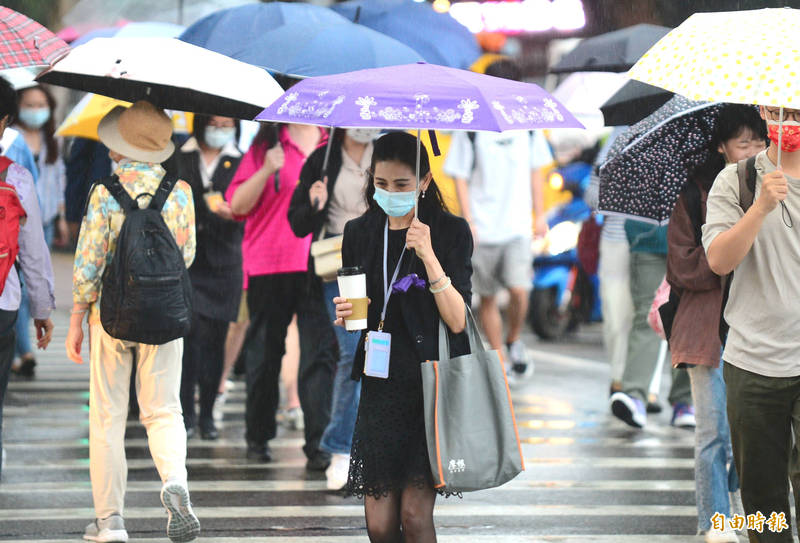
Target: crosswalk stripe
{"x":327,"y":511}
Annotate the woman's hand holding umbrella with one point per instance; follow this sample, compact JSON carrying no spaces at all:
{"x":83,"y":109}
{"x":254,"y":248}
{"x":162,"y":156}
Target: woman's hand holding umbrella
{"x":418,"y":239}
{"x":318,"y":194}
{"x":274,"y":159}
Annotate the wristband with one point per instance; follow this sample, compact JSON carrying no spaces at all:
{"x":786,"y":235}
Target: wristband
{"x":445,"y":287}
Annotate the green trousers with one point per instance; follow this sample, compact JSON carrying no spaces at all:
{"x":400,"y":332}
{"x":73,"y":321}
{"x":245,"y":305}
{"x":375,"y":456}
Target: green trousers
{"x":762,"y":413}
{"x":647,"y":272}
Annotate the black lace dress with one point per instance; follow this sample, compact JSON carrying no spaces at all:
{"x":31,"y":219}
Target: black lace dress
{"x":389,"y":447}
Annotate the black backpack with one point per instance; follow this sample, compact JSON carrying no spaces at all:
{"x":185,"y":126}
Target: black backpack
{"x":147,"y":294}
{"x":746,"y":170}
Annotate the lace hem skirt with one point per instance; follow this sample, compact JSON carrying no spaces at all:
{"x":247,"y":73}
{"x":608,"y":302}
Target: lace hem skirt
{"x":389,"y":450}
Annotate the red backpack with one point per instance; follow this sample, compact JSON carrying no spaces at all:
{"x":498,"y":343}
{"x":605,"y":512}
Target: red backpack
{"x":12,"y":215}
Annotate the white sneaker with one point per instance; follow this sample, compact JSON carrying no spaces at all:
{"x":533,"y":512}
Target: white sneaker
{"x":338,"y":471}
{"x":182,"y":524}
{"x":521,"y":363}
{"x":229,"y":385}
{"x":292,"y":419}
{"x":219,"y":406}
{"x":721,"y":536}
{"x":107,"y":530}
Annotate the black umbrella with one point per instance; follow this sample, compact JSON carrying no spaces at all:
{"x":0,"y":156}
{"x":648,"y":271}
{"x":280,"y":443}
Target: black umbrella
{"x":632,"y":103}
{"x":614,"y":51}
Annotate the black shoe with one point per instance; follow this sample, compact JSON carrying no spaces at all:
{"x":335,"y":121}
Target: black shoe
{"x":208,"y":430}
{"x":26,"y":368}
{"x":190,"y":432}
{"x":653,"y":407}
{"x":259,"y":453}
{"x":318,"y":462}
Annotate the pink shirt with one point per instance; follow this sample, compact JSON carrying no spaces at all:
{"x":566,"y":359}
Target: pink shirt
{"x":269,"y":245}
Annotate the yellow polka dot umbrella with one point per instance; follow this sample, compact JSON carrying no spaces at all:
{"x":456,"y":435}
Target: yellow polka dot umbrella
{"x":747,"y":57}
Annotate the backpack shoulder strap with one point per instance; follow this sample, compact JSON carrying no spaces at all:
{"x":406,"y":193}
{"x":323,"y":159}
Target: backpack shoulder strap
{"x":164,"y":189}
{"x":5,"y":162}
{"x":747,"y":182}
{"x":695,"y":209}
{"x":119,"y":193}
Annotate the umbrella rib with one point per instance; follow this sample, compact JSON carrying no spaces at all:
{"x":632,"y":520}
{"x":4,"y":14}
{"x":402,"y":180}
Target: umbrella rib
{"x":659,"y":125}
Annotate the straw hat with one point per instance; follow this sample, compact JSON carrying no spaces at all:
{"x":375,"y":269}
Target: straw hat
{"x":141,"y":132}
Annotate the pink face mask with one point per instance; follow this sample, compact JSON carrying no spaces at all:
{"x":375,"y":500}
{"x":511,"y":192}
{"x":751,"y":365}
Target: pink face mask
{"x":790,"y":140}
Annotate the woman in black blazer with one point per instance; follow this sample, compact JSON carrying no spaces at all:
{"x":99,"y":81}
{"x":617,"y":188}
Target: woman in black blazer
{"x":389,"y":459}
{"x":207,"y":161}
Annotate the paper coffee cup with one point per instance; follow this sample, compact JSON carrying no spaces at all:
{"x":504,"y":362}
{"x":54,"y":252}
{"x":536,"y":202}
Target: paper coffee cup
{"x":353,"y":288}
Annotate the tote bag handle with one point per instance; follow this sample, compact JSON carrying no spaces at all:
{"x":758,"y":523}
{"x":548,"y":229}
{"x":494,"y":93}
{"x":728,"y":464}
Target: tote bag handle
{"x":475,"y":342}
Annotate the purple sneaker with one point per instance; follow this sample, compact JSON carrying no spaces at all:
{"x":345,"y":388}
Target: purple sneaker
{"x":683,"y":416}
{"x":628,"y":409}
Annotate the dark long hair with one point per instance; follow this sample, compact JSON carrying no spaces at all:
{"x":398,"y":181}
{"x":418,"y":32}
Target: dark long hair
{"x":732,"y":121}
{"x":49,"y":128}
{"x":402,"y":147}
{"x":202,"y":121}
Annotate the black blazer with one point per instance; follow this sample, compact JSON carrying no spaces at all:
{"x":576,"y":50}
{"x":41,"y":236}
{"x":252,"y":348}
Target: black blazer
{"x":452,"y":243}
{"x":217,"y":268}
{"x":303,"y":217}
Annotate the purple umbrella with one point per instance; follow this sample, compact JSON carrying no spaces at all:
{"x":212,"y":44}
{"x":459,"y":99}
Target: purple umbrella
{"x":419,"y":97}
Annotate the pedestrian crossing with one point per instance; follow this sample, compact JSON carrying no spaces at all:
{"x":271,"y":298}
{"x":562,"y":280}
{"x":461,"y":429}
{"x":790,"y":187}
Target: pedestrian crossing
{"x":588,"y":478}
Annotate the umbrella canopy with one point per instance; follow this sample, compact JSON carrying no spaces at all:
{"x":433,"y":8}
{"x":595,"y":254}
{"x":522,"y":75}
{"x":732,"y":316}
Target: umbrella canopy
{"x":648,"y":165}
{"x":25,"y":43}
{"x":584,"y":92}
{"x":269,"y":35}
{"x":82,"y":121}
{"x":97,"y":13}
{"x":632,"y":103}
{"x":438,"y":37}
{"x":419,"y":96}
{"x":611,"y":52}
{"x":167,"y":72}
{"x":748,"y":57}
{"x":133,"y":30}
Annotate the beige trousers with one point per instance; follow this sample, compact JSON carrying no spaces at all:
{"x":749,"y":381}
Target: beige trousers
{"x":158,"y":381}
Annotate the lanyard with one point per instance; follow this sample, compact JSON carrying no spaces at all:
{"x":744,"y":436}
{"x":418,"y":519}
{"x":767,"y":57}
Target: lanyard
{"x":388,"y":286}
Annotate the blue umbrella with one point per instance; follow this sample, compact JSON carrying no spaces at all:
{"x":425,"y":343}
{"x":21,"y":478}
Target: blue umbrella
{"x":132,"y":30}
{"x":438,"y":37}
{"x":296,"y":39}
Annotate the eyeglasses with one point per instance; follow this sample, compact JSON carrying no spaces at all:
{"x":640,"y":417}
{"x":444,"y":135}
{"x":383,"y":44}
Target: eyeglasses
{"x":775,"y":114}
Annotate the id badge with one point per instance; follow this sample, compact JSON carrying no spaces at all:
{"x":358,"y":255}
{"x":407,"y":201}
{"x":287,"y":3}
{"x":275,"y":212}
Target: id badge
{"x":379,"y":347}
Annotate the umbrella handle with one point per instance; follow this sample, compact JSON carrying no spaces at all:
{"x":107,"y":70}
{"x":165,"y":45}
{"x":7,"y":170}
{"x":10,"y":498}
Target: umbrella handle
{"x":416,"y":200}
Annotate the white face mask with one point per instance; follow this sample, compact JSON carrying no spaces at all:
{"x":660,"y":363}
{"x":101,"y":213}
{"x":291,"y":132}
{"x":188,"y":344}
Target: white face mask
{"x":363,"y":135}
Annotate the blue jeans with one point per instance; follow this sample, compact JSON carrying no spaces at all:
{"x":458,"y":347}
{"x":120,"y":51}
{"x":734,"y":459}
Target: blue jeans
{"x":715,"y":474}
{"x":23,"y":342}
{"x":338,"y":436}
{"x":49,"y":232}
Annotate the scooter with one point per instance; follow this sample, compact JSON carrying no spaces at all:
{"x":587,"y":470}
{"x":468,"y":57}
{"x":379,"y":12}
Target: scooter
{"x":563,"y":294}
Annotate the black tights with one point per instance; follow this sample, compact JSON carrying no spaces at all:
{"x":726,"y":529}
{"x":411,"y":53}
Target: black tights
{"x":401,"y":517}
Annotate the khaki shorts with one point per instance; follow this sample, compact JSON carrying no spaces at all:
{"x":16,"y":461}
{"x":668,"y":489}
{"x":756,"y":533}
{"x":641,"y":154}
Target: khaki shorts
{"x":501,"y":266}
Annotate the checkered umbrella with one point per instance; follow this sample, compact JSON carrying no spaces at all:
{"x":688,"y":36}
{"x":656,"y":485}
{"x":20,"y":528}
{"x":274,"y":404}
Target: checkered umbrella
{"x":26,"y":43}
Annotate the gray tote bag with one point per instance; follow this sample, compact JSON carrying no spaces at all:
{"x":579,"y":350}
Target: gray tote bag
{"x":473,"y":443}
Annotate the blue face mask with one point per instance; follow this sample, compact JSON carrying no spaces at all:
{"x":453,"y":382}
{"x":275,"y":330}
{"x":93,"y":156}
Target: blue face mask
{"x":217,"y":138}
{"x":34,"y":117}
{"x":395,"y":204}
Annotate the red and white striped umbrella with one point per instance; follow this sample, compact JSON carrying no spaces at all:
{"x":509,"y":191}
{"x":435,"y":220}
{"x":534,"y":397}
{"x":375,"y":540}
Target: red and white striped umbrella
{"x":26,"y":43}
